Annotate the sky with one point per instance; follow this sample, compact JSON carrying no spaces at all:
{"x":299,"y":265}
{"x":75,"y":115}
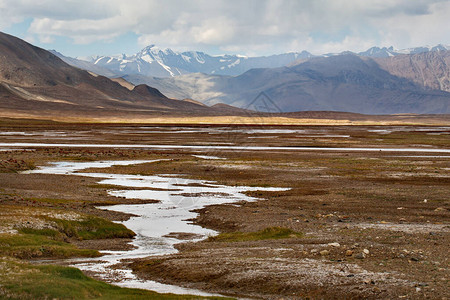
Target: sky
{"x":248,"y":27}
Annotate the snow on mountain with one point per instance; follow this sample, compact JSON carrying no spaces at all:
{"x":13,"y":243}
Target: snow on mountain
{"x":391,"y":51}
{"x":379,"y":52}
{"x":388,"y":52}
{"x":85,"y":65}
{"x":153,"y":61}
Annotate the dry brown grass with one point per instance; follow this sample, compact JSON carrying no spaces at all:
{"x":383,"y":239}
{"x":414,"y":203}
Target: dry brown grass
{"x":226,"y":120}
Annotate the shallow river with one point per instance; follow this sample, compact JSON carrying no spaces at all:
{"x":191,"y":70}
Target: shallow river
{"x":242,"y":148}
{"x":159,"y":226}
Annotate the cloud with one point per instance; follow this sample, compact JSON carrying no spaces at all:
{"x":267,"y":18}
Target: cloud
{"x":425,"y":29}
{"x":248,"y":26}
{"x":82,"y":31}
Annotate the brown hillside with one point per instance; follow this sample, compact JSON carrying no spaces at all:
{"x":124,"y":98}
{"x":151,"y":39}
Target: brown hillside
{"x":34,"y":80}
{"x":429,"y":69}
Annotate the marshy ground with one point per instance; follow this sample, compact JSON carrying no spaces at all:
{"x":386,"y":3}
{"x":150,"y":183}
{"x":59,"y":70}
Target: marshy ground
{"x":366,"y":224}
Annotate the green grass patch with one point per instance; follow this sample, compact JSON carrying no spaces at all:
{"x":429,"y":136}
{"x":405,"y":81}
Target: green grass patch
{"x":270,"y":233}
{"x":40,"y":244}
{"x":50,"y":242}
{"x":45,"y":232}
{"x":25,"y":281}
{"x":91,"y":228}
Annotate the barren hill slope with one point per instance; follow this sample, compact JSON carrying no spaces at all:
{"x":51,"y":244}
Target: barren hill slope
{"x":33,"y":80}
{"x":429,"y":69}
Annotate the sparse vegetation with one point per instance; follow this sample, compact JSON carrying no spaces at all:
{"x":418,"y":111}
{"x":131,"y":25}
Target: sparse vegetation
{"x":49,"y":200}
{"x":265,"y":234}
{"x":12,"y":165}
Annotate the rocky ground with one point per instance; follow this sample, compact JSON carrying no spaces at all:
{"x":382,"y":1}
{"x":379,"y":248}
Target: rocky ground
{"x":361,"y":224}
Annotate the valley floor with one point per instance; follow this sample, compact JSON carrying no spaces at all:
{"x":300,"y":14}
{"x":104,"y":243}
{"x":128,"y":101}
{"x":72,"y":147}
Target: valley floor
{"x":353,"y":224}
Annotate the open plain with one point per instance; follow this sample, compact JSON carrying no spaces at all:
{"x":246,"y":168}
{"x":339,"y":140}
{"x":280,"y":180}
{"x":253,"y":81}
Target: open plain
{"x":362,"y":211}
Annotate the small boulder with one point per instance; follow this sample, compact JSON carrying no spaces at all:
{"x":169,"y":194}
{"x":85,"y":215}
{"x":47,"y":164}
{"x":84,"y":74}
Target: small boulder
{"x":324,"y":252}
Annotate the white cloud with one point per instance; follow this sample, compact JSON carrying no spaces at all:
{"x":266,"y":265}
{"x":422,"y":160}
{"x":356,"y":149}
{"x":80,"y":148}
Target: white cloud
{"x":214,"y":31}
{"x":82,"y":31}
{"x":251,"y":26}
{"x":426,"y":29}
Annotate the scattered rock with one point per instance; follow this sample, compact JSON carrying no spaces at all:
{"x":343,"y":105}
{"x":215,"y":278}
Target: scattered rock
{"x":324,"y":252}
{"x":360,"y":255}
{"x":414,"y":259}
{"x":349,"y":253}
{"x":422,"y":284}
{"x":366,"y":251}
{"x":440,"y":209}
{"x":334,"y":244}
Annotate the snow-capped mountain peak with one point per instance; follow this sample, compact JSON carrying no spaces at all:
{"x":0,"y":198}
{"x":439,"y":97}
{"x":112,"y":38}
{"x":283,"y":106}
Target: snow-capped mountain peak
{"x":391,"y":51}
{"x":156,"y":51}
{"x":154,"y":61}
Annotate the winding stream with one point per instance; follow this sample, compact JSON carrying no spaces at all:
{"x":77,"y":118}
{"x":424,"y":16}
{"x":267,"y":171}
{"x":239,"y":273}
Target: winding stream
{"x":158,"y":226}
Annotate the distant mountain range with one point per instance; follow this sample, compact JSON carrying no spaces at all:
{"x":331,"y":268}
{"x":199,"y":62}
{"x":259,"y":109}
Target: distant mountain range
{"x":376,"y":81}
{"x":401,"y":84}
{"x":389,"y":52}
{"x":152,"y":61}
